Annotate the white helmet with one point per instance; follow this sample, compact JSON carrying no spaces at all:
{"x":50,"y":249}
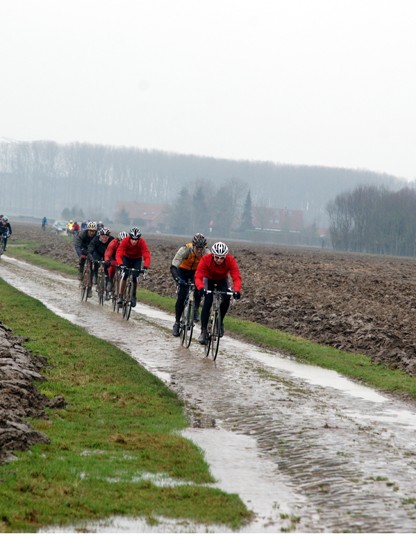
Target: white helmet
{"x":219,"y":249}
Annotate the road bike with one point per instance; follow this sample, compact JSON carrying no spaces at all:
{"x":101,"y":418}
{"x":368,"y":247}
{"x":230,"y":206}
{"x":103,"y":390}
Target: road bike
{"x":213,"y":335}
{"x":129,"y":290}
{"x":86,"y":282}
{"x":186,"y":324}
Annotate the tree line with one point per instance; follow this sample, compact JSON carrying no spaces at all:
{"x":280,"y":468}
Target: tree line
{"x":42,"y":177}
{"x":375,"y":220}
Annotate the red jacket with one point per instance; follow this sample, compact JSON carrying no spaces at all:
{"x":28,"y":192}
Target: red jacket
{"x":207,"y":268}
{"x":127,"y":249}
{"x":110,"y":253}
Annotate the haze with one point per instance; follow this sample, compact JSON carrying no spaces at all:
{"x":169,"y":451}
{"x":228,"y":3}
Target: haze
{"x":322,"y":82}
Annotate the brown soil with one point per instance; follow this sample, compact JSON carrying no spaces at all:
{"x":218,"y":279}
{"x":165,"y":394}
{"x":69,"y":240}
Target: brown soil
{"x":355,"y":302}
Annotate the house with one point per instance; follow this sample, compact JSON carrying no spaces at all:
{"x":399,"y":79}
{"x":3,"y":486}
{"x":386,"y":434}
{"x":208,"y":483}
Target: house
{"x":150,"y":216}
{"x":273,"y":219}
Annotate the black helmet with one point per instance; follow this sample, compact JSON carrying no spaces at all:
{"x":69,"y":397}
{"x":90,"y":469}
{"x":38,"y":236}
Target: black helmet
{"x":199,"y":241}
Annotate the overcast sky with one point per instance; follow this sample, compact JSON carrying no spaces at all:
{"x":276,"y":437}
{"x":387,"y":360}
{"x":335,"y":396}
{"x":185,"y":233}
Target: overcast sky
{"x":313,"y":82}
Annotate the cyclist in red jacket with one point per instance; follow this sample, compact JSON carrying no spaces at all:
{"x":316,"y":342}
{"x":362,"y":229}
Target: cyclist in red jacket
{"x":110,"y":261}
{"x":132,"y":253}
{"x":213,"y":270}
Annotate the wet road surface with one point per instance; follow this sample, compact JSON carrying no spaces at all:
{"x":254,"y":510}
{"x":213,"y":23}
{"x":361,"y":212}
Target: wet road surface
{"x":306,"y":449}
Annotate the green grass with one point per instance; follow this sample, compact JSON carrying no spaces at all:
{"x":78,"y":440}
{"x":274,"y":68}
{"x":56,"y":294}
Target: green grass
{"x":121,"y":424}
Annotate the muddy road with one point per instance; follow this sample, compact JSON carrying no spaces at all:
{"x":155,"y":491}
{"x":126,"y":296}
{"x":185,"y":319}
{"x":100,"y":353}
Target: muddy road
{"x":306,"y":449}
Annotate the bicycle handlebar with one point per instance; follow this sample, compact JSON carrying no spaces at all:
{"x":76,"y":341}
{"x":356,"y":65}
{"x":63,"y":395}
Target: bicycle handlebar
{"x":220,"y":292}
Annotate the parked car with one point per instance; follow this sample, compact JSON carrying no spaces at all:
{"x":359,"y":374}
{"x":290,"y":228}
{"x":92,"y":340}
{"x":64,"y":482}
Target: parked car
{"x":59,"y":227}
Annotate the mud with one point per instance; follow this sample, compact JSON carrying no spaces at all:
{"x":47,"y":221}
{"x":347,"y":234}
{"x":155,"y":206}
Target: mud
{"x":19,"y":397}
{"x":357,"y":303}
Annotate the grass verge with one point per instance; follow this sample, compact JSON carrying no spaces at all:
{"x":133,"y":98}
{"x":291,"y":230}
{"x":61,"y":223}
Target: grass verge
{"x":107,"y":447}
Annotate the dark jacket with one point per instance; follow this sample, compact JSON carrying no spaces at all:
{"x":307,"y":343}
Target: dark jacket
{"x":97,"y":248}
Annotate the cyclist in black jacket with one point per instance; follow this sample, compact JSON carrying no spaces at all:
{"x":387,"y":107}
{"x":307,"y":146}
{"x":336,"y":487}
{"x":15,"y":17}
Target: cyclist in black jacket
{"x":5,"y":230}
{"x":81,"y":243}
{"x":96,"y":251}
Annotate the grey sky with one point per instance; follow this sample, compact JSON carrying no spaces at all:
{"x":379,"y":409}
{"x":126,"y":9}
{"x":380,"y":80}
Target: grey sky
{"x":314,"y":82}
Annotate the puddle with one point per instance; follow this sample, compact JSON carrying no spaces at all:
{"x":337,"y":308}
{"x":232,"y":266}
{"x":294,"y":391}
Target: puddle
{"x":306,"y":449}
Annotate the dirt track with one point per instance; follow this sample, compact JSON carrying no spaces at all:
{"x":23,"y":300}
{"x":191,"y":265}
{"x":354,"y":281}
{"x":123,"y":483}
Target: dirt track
{"x":359,"y":303}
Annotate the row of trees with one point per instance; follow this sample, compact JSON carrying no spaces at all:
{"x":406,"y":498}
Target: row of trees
{"x":42,"y":177}
{"x":374,"y":219}
{"x":202,"y":207}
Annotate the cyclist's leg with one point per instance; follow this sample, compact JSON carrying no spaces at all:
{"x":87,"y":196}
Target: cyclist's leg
{"x":225,"y":304}
{"x":137,"y":265}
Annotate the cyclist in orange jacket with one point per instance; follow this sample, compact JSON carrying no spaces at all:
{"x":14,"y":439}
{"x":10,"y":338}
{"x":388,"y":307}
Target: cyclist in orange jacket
{"x":183,"y":268}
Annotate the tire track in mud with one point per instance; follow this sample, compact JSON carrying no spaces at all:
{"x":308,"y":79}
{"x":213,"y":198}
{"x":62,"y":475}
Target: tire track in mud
{"x":336,"y":460}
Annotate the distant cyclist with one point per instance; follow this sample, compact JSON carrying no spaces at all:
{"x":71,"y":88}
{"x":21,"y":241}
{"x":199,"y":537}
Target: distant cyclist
{"x":215,"y":268}
{"x":81,"y":243}
{"x":183,"y":268}
{"x":5,"y":230}
{"x":110,"y":260}
{"x":96,"y":250}
{"x":132,"y":253}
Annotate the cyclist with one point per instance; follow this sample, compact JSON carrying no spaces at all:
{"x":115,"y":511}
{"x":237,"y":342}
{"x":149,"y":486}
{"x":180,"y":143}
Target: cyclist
{"x":5,"y":230}
{"x":132,"y":251}
{"x":96,"y":251}
{"x":110,"y":260}
{"x":183,"y":268}
{"x":214,"y":268}
{"x":81,"y":243}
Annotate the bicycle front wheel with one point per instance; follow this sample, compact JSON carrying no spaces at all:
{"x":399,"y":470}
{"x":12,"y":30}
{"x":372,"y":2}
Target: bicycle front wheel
{"x":101,"y":288}
{"x":127,"y":300}
{"x":215,"y":339}
{"x":189,"y":325}
{"x":84,"y":285}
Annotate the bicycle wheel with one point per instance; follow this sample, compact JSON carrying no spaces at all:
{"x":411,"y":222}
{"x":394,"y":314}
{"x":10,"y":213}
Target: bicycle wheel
{"x":189,"y":324}
{"x":215,"y":338}
{"x":127,"y":300}
{"x":84,"y":285}
{"x":101,"y":288}
{"x":114,"y":292}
